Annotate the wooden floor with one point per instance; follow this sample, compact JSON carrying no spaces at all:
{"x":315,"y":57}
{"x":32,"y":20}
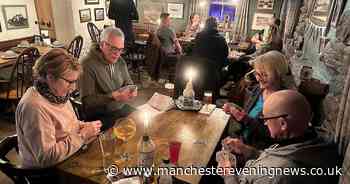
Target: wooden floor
{"x":7,"y":127}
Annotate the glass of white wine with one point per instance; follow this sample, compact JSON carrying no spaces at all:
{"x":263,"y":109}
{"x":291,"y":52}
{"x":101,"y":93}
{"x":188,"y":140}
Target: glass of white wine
{"x":124,"y":130}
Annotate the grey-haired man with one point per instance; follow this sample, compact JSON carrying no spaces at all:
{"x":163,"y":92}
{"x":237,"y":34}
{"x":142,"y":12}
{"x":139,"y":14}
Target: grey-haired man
{"x":104,"y":73}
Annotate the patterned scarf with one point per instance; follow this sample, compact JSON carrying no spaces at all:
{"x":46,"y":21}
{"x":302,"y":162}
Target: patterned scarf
{"x":45,"y":91}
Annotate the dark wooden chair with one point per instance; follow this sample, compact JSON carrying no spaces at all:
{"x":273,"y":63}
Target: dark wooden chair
{"x":94,"y":32}
{"x":135,"y":56}
{"x":17,"y":174}
{"x":21,"y":76}
{"x":75,"y":46}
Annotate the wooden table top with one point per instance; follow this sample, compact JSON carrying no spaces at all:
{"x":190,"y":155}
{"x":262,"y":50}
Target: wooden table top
{"x":198,"y":133}
{"x":8,"y":62}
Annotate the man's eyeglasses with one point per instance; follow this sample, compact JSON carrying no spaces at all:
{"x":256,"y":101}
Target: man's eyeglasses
{"x":70,"y":82}
{"x":114,"y":49}
{"x":265,"y":118}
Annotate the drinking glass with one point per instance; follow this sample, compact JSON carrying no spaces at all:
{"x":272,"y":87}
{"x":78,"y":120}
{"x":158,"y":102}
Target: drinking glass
{"x":124,"y":130}
{"x":208,"y":97}
{"x":169,"y":89}
{"x":174,"y":151}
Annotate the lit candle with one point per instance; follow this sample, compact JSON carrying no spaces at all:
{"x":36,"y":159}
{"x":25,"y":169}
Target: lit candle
{"x":190,"y":74}
{"x":146,"y":122}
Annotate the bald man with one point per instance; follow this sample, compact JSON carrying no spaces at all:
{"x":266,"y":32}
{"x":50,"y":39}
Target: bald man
{"x":286,"y":114}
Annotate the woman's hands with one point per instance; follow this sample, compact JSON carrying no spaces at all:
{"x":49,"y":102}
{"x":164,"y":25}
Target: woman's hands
{"x":90,"y":129}
{"x":238,"y":113}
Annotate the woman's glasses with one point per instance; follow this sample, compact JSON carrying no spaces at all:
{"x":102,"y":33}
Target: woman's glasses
{"x":70,"y":82}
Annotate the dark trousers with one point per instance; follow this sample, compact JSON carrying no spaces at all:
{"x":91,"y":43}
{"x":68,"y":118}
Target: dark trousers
{"x":108,"y":118}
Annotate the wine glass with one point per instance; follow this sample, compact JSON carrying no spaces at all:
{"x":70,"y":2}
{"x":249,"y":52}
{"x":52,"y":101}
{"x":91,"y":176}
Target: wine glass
{"x":124,"y":130}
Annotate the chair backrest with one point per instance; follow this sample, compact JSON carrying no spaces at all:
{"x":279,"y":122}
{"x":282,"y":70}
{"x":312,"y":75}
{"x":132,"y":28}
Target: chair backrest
{"x":75,"y":46}
{"x":94,"y":32}
{"x":38,"y":38}
{"x":17,"y":174}
{"x":22,"y":72}
{"x":78,"y":108}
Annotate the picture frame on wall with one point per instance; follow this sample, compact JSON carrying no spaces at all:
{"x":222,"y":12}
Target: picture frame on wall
{"x":15,"y":16}
{"x":85,"y":15}
{"x":99,"y":14}
{"x":87,"y":2}
{"x":176,"y":10}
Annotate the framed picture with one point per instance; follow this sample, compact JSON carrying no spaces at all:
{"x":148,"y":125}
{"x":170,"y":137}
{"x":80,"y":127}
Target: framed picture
{"x":85,"y":15}
{"x":92,"y":1}
{"x":99,"y":14}
{"x":176,"y":10}
{"x":15,"y":16}
{"x":261,"y":21}
{"x":264,"y":5}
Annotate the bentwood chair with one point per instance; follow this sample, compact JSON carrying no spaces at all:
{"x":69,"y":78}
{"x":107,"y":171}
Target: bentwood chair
{"x":75,"y":46}
{"x":94,"y":32}
{"x":17,"y":174}
{"x":21,"y":76}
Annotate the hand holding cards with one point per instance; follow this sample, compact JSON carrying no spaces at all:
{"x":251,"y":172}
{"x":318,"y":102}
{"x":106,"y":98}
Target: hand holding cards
{"x":125,"y":93}
{"x":130,"y":88}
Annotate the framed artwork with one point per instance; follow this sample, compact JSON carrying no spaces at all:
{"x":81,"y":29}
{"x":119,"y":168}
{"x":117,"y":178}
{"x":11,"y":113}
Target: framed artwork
{"x":15,"y":16}
{"x":261,"y":21}
{"x":99,"y":14}
{"x":176,"y":10}
{"x":264,"y":5}
{"x":85,"y":15}
{"x":92,"y":1}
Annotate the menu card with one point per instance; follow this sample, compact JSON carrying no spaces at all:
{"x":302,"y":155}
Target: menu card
{"x":158,"y":103}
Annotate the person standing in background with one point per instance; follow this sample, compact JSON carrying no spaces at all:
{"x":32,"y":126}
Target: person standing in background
{"x":123,"y":12}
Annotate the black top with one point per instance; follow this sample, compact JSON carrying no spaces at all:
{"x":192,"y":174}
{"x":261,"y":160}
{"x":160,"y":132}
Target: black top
{"x":123,"y":12}
{"x":210,"y":44}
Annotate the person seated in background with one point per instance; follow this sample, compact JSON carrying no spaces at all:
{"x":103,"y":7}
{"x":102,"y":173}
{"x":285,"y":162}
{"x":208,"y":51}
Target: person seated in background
{"x":193,"y":26}
{"x":104,"y":74}
{"x":47,"y":128}
{"x":273,"y":74}
{"x":167,"y":36}
{"x":210,"y":44}
{"x":257,"y":39}
{"x":273,"y":40}
{"x":286,"y":113}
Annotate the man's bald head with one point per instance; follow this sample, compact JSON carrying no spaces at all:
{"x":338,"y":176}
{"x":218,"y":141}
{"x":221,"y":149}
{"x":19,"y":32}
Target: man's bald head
{"x":297,"y":109}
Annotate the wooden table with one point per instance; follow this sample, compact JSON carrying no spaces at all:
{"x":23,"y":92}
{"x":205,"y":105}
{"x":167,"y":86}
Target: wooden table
{"x":198,"y":133}
{"x":8,"y":62}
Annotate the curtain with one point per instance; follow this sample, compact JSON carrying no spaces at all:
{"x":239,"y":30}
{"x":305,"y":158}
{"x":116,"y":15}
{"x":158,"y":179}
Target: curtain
{"x":283,"y":15}
{"x":242,"y":24}
{"x":342,"y":134}
{"x":336,"y":9}
{"x":292,"y":17}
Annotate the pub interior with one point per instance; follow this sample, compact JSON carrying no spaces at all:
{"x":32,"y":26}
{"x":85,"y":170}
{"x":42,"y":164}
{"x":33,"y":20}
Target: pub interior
{"x":180,"y":91}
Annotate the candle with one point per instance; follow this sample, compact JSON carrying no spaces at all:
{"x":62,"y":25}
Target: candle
{"x":190,"y":73}
{"x":146,"y":123}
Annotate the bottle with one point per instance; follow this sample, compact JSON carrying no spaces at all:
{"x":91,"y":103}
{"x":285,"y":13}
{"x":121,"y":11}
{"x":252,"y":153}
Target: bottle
{"x":165,"y":178}
{"x":146,"y":149}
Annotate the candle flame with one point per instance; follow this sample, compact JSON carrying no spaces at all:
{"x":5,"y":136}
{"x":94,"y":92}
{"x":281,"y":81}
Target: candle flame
{"x":190,"y":73}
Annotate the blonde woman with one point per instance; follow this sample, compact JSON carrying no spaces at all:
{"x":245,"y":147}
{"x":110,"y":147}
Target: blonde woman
{"x":272,"y":73}
{"x":47,"y":128}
